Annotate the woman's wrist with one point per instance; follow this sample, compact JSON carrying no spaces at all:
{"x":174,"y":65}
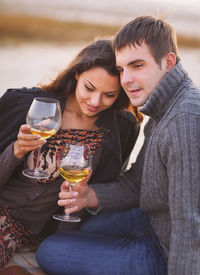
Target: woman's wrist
{"x":17,"y":153}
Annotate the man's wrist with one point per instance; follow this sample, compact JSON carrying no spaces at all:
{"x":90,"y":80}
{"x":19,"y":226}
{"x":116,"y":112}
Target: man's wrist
{"x":92,"y":199}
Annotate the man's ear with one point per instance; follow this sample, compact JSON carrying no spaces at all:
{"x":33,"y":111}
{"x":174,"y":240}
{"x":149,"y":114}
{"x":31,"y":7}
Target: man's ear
{"x":170,"y":60}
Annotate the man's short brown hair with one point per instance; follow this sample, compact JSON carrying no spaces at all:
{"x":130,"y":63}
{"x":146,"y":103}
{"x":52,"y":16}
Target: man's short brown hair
{"x":157,"y":34}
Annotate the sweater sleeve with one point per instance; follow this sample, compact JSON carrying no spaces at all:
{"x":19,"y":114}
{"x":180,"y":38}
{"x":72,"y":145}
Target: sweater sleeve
{"x":182,"y":152}
{"x":124,"y":192}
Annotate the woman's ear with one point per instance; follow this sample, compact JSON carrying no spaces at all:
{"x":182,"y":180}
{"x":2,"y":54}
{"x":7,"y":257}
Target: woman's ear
{"x":76,"y":76}
{"x":170,"y":59}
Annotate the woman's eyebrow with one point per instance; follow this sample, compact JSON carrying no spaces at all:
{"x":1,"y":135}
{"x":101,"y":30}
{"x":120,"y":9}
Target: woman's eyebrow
{"x":90,"y":83}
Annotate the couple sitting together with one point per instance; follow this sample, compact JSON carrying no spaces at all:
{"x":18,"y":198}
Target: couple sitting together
{"x":141,"y":221}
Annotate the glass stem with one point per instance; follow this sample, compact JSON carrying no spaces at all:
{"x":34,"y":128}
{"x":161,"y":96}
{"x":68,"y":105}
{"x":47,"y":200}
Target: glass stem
{"x":38,"y":159}
{"x":70,"y":189}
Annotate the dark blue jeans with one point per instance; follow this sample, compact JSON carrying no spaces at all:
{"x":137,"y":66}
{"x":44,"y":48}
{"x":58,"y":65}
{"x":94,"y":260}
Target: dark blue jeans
{"x":111,"y":243}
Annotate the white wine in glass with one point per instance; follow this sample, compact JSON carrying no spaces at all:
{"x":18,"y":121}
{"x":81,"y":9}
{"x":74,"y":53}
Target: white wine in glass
{"x":44,"y":117}
{"x":74,"y":164}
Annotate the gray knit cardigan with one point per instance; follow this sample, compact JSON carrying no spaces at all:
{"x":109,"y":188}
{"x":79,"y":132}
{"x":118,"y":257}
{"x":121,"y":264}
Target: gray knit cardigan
{"x":165,"y":180}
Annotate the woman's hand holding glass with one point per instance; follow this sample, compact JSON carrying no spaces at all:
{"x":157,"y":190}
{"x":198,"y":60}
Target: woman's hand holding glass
{"x":26,"y":142}
{"x":44,"y":119}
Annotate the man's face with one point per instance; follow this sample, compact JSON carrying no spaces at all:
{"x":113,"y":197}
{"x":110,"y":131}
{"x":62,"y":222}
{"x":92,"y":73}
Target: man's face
{"x":139,"y":72}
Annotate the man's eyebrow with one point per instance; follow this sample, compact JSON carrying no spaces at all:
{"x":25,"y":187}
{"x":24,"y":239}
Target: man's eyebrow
{"x":135,"y":61}
{"x":132,"y":62}
{"x":90,"y":83}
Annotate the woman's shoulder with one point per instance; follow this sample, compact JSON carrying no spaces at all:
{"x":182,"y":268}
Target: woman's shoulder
{"x":18,"y":95}
{"x":126,"y":116}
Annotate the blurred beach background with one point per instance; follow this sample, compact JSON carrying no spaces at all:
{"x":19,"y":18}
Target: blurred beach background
{"x":38,"y":38}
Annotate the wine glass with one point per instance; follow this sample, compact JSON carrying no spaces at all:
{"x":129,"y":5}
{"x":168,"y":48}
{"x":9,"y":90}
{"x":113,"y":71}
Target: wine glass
{"x":74,"y":164}
{"x":44,"y":117}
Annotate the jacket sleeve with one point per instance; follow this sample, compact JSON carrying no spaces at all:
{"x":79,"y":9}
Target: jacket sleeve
{"x":9,"y":128}
{"x":12,"y":116}
{"x":180,"y":150}
{"x":8,"y":164}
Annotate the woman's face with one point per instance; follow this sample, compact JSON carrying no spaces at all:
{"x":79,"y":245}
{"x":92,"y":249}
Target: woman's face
{"x":96,"y":91}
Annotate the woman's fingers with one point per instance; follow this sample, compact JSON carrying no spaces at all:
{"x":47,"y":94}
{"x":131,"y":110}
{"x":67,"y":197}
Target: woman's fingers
{"x":25,"y":136}
{"x":26,"y":141}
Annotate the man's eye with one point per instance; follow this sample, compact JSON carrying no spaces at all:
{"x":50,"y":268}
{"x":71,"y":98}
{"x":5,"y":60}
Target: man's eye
{"x":137,"y":66}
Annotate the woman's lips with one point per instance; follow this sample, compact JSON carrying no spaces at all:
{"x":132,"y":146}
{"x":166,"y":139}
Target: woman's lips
{"x":91,"y":108}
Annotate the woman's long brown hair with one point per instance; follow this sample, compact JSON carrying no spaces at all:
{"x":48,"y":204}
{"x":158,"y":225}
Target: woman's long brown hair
{"x":97,"y":54}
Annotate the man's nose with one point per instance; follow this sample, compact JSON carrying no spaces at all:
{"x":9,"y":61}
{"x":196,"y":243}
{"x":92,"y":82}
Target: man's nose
{"x":126,"y":77}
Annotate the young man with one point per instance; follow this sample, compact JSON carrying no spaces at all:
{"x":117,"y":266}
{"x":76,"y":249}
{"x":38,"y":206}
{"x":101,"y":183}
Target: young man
{"x":164,"y":181}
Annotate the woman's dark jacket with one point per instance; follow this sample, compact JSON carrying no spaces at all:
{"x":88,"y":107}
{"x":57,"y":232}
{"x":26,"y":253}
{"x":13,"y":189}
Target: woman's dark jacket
{"x":31,"y":203}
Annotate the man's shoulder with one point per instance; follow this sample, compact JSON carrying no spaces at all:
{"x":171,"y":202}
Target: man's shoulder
{"x":190,"y":100}
{"x":185,"y":106}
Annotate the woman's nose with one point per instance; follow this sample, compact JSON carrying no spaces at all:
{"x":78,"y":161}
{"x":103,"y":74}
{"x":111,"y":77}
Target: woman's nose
{"x":95,"y":100}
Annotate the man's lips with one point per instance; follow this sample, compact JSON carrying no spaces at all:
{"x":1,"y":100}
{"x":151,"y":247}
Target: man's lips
{"x":135,"y":91}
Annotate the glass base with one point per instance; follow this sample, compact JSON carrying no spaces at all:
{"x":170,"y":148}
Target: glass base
{"x":35,"y":174}
{"x":66,"y":218}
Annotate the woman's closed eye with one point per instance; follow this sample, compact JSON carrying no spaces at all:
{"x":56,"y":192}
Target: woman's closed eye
{"x":89,"y":88}
{"x":119,"y":69}
{"x":111,"y":95}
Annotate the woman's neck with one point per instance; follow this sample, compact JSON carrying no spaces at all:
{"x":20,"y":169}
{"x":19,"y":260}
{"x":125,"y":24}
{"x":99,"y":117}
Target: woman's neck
{"x":73,"y":117}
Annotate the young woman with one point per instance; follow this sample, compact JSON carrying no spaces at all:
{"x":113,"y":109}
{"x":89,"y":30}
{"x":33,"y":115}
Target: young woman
{"x":93,"y":112}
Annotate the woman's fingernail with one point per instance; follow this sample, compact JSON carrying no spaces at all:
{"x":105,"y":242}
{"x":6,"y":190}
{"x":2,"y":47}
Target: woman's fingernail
{"x":75,"y":194}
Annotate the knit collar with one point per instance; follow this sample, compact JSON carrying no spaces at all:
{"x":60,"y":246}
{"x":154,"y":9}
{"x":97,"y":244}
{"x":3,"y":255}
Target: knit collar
{"x":161,"y":98}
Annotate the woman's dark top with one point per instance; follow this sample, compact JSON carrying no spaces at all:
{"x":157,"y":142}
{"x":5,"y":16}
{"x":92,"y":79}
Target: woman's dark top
{"x":33,"y":204}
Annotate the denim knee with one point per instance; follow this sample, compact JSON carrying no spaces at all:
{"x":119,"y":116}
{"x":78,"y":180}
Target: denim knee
{"x":74,"y":253}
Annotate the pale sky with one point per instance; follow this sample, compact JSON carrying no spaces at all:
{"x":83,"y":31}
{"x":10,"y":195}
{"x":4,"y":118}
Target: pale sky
{"x":180,"y":2}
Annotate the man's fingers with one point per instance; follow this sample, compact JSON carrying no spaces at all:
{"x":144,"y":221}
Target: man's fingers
{"x":65,"y":186}
{"x":70,"y":210}
{"x":67,"y":202}
{"x":85,"y":180}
